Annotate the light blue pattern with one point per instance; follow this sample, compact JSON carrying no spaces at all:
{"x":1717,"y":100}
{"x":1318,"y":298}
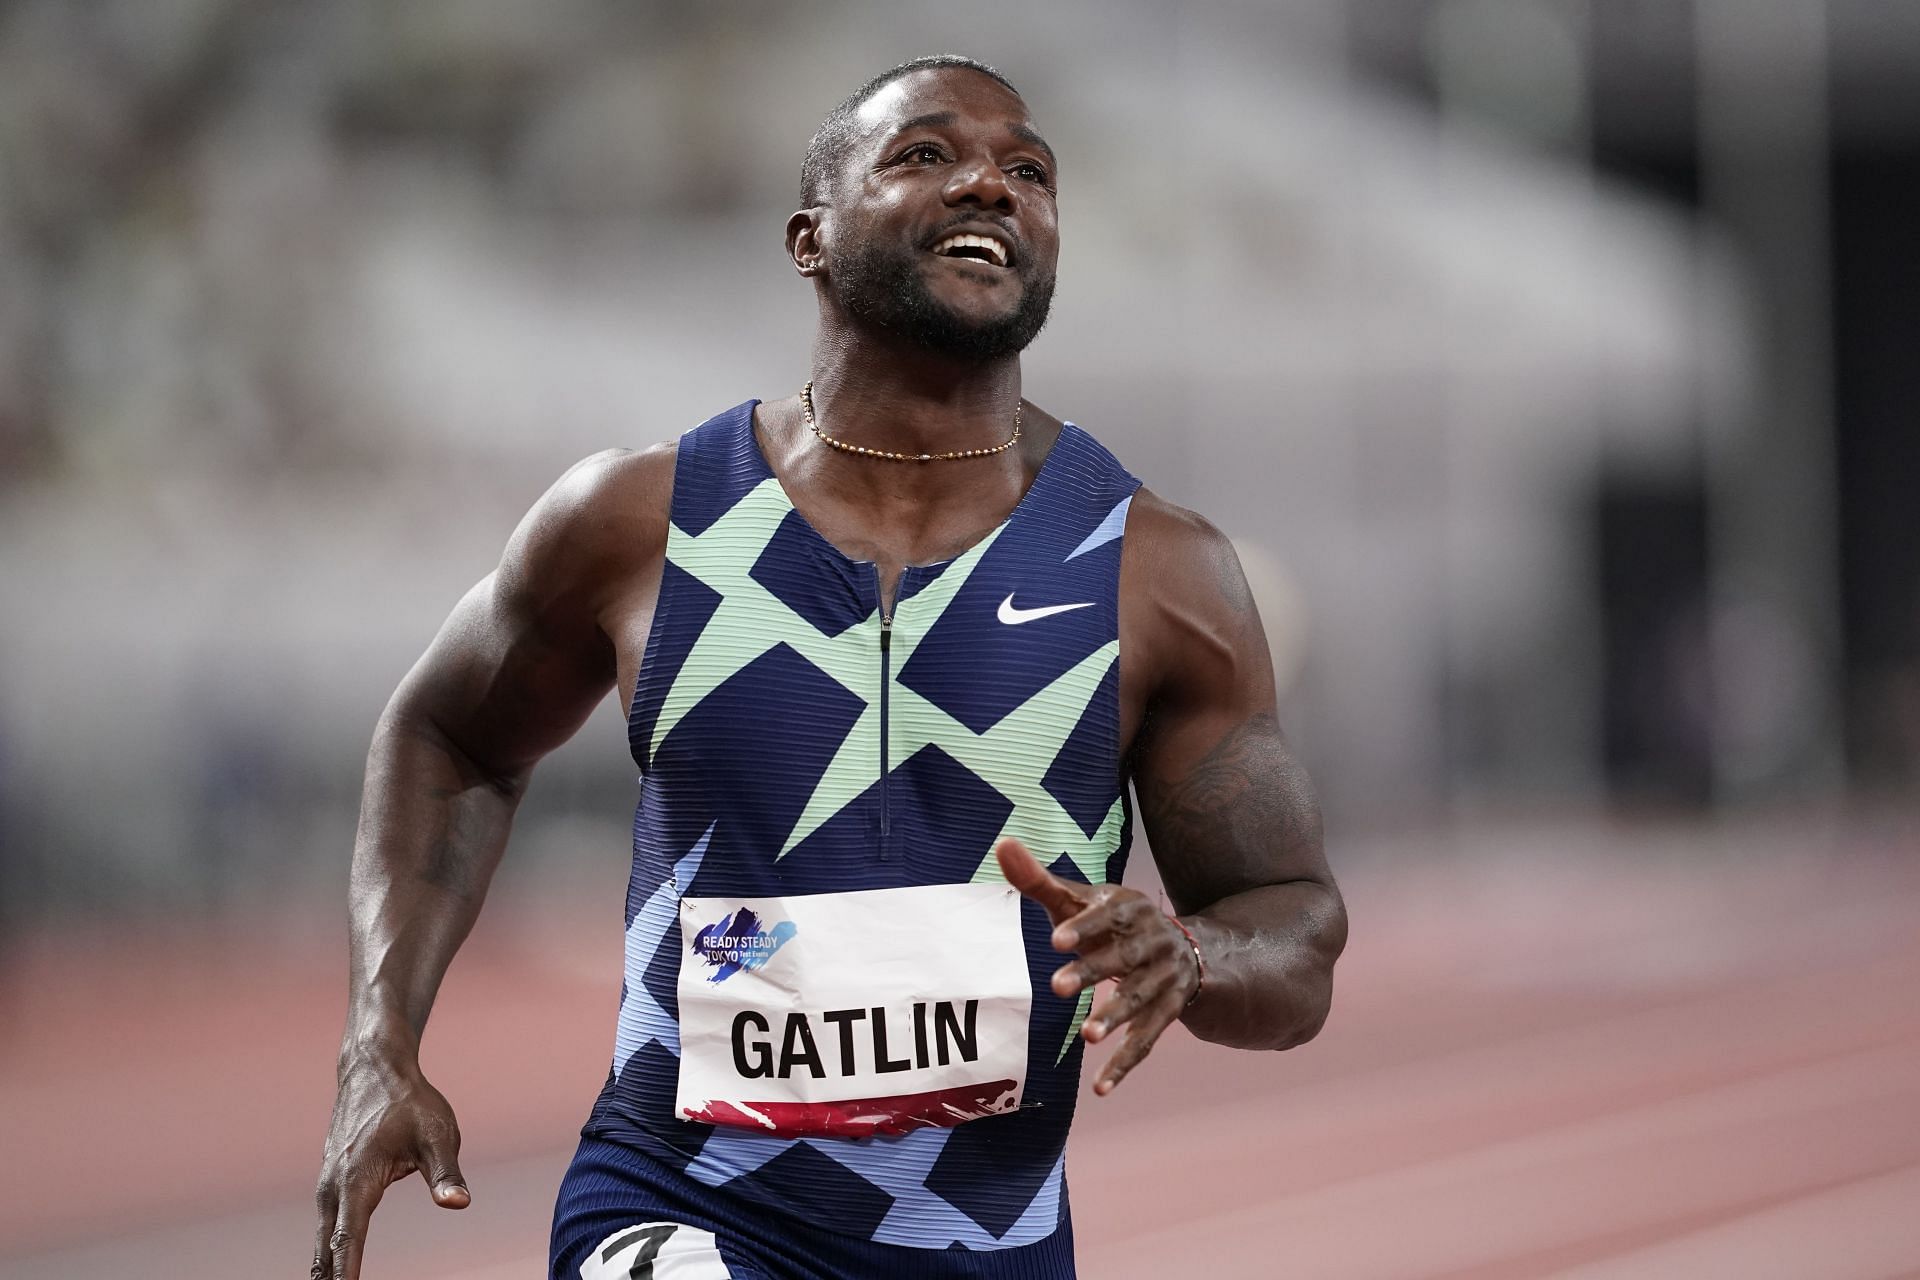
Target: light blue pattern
{"x":1108,"y":529}
{"x":898,"y":1166}
{"x":641,"y":1017}
{"x":734,"y":1153}
{"x":922,"y":1219}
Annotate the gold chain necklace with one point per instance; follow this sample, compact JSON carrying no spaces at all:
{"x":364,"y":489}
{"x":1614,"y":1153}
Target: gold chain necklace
{"x":806,"y":403}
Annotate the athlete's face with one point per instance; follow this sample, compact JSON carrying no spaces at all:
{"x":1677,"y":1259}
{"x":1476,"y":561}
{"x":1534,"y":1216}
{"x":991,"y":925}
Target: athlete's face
{"x":946,"y":153}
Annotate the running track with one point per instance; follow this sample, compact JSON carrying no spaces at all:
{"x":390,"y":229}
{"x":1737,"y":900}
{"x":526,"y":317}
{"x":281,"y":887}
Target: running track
{"x":1557,"y":1049}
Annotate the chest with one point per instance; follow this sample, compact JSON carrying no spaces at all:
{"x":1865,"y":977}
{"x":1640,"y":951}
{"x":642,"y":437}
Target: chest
{"x":976,"y":597}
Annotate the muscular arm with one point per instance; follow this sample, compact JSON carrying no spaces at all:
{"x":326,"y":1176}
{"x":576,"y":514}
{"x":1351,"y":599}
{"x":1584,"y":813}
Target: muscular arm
{"x":515,"y":670}
{"x":1228,"y":811}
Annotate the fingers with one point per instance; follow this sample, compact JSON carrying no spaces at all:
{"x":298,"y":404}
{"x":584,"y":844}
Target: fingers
{"x":452,"y":1195}
{"x":1061,"y":898}
{"x":1117,"y":959}
{"x":1119,"y":934}
{"x":346,"y":1200}
{"x":388,"y":1122}
{"x":440,"y":1165}
{"x":349,"y":1238}
{"x":328,"y":1204}
{"x":1126,"y":1001}
{"x":1142,"y":1033}
{"x":1108,"y":911}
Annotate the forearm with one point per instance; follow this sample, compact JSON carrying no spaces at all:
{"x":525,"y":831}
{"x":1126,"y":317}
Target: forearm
{"x":1269,"y":955}
{"x":433,"y":825}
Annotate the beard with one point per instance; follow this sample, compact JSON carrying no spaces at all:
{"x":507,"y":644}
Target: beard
{"x":883,"y":287}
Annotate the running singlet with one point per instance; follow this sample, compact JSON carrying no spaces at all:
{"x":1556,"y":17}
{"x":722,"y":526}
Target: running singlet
{"x":834,"y":1006}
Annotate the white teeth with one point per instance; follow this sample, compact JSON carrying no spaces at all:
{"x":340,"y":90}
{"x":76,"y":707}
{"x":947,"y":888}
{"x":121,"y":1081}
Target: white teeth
{"x":992,"y":246}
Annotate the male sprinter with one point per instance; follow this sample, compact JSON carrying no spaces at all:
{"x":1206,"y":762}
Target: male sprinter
{"x":891,"y":650}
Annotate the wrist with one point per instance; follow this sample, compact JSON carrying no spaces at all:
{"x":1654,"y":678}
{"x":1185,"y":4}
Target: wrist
{"x":1199,"y":962}
{"x":383,"y":1042}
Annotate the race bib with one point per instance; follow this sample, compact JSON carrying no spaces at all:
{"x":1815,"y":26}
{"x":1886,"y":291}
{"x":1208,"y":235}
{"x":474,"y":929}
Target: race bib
{"x":878,"y":1011}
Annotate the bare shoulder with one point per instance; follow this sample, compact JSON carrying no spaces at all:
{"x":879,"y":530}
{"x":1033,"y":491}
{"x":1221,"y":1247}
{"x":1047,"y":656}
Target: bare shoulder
{"x":1185,"y":599}
{"x":605,"y":518}
{"x":1170,"y":536}
{"x":1177,"y":560}
{"x":615,"y":490}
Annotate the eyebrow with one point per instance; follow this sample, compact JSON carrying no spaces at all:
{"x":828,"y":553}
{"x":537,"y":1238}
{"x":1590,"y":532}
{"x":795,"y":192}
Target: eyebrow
{"x":928,"y":121}
{"x":1027,"y":135}
{"x":938,"y":119}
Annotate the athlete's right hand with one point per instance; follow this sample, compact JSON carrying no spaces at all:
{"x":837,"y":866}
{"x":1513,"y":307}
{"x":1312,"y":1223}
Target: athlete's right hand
{"x":387,"y":1123}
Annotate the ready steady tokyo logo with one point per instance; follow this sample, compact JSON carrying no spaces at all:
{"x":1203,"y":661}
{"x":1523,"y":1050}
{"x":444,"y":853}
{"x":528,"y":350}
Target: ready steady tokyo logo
{"x":740,"y":942}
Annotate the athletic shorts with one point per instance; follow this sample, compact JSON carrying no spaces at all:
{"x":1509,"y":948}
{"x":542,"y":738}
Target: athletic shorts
{"x":623,"y":1215}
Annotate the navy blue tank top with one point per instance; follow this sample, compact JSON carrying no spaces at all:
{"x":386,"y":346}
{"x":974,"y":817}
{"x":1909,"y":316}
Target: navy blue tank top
{"x":794,"y":740}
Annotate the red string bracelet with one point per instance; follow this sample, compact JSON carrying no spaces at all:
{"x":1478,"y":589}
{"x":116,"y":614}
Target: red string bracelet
{"x":1199,"y":962}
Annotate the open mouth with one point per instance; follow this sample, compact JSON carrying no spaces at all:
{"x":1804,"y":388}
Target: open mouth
{"x":988,"y":249}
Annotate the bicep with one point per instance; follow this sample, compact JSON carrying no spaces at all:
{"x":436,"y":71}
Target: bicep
{"x":507,"y":679}
{"x":1226,"y":805}
{"x":522,"y":660}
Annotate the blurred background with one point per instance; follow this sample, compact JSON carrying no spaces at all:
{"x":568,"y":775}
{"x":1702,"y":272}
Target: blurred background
{"x":1551,"y":362}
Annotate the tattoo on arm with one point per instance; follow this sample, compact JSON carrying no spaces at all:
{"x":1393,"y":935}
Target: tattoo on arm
{"x":1240,"y":814}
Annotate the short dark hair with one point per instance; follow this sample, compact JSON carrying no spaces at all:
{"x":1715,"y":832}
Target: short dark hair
{"x":835,"y":136}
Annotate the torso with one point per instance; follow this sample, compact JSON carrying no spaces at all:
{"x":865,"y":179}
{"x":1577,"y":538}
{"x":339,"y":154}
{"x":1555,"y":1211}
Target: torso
{"x":790,"y":756}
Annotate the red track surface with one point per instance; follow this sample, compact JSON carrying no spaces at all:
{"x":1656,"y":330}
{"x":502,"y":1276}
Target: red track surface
{"x":1663,"y":1053}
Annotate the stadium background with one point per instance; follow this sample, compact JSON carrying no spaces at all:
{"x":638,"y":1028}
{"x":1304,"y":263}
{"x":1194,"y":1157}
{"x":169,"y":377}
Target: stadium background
{"x":1552,"y":363}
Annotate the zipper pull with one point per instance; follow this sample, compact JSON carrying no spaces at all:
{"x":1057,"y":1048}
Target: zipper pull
{"x":886,"y":632}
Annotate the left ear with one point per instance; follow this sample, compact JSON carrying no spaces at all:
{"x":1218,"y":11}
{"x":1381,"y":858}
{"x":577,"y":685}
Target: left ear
{"x":805,"y":242}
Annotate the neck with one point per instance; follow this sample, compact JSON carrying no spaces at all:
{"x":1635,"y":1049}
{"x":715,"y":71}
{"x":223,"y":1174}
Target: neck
{"x":867,"y":391}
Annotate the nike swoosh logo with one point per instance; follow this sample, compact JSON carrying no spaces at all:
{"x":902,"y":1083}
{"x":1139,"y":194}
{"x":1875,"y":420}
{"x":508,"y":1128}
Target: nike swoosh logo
{"x":1014,"y":617}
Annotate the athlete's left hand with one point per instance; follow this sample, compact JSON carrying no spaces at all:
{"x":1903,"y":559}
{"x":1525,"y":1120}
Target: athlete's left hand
{"x":1118,"y":934}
